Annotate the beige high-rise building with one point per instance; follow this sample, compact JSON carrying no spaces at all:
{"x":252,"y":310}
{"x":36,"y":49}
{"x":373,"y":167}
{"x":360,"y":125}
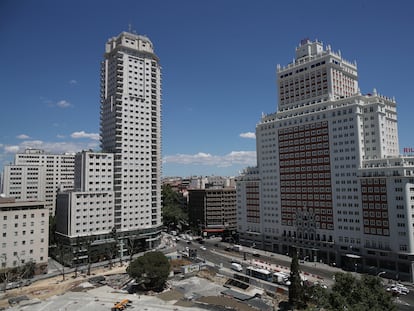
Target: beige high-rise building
{"x":131,"y":130}
{"x":329,"y":178}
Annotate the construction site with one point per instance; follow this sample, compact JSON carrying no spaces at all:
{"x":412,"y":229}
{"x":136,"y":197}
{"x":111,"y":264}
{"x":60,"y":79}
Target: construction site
{"x":204,"y":288}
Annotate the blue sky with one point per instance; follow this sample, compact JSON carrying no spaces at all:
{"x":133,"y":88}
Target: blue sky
{"x":219,"y":61}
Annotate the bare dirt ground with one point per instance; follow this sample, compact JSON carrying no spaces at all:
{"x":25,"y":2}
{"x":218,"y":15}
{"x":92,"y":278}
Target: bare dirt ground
{"x":46,"y":288}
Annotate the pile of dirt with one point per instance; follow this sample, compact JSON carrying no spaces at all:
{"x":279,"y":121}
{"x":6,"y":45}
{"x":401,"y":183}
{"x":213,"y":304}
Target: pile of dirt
{"x":176,"y":264}
{"x":211,"y":275}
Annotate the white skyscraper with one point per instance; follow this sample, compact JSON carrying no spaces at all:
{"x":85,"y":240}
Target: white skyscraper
{"x":131,"y":129}
{"x":329,"y":178}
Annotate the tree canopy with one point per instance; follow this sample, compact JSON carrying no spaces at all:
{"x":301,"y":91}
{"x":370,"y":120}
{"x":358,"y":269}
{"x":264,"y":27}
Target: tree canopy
{"x":349,"y":292}
{"x":296,"y":291}
{"x":364,"y":293}
{"x":151,"y":270}
{"x":173,"y":207}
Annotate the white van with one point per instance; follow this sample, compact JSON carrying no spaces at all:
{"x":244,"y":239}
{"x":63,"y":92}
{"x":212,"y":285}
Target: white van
{"x":236,"y":267}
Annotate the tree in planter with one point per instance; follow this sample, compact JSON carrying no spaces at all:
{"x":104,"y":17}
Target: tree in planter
{"x":110,"y":251}
{"x":88,"y":245}
{"x":131,"y":247}
{"x":296,"y":290}
{"x":150,"y":270}
{"x":65,"y":254}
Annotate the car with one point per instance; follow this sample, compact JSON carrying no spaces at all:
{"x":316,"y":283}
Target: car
{"x":404,"y":290}
{"x":395,"y":290}
{"x":203,"y":248}
{"x":255,"y":254}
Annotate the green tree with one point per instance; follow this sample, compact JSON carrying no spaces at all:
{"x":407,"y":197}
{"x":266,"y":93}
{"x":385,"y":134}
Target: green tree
{"x":174,"y":209}
{"x":296,"y":290}
{"x":351,"y":293}
{"x":365,"y":293}
{"x":151,"y":270}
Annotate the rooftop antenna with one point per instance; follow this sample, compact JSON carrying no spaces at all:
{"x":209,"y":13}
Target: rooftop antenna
{"x":130,"y":30}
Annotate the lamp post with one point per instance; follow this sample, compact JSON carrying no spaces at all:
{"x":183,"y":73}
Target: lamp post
{"x":381,"y":273}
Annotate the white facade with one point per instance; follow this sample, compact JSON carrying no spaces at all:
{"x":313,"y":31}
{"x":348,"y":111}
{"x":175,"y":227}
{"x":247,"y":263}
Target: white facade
{"x":24,"y":231}
{"x":25,"y":182}
{"x":131,"y":129}
{"x":314,"y":155}
{"x":89,"y":209}
{"x":58,"y":173}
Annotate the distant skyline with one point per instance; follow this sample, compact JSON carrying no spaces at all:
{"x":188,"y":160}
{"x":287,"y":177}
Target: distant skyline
{"x":219,"y":62}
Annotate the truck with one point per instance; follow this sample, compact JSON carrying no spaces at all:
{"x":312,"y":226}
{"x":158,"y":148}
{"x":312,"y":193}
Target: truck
{"x":237,"y":248}
{"x":236,"y":267}
{"x":281,"y":278}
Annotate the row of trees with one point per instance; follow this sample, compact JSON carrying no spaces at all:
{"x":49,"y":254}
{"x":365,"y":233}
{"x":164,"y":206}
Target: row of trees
{"x":16,"y":274}
{"x":348,"y":293}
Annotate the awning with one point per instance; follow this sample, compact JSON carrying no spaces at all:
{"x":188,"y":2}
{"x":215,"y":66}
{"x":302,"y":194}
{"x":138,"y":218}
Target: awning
{"x":213,"y":230}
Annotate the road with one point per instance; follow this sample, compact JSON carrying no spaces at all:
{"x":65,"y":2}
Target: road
{"x":215,"y":252}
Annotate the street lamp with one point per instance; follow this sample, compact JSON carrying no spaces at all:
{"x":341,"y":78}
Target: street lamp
{"x":381,"y":273}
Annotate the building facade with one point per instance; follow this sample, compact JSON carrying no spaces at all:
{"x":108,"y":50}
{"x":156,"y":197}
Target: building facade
{"x":38,"y":175}
{"x":330,"y":180}
{"x":25,"y":182}
{"x":131,"y":130}
{"x":24,"y":231}
{"x":89,"y":209}
{"x":213,"y":210}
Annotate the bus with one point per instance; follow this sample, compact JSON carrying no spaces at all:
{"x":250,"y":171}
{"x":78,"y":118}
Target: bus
{"x":259,"y":273}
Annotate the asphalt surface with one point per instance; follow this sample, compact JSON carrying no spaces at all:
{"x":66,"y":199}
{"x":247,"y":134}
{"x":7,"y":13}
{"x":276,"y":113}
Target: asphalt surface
{"x":216,"y":253}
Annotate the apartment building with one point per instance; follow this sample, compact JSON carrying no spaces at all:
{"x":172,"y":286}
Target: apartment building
{"x":24,"y":231}
{"x":213,"y":210}
{"x":89,"y":209}
{"x":25,"y":182}
{"x":38,"y":175}
{"x":330,"y":180}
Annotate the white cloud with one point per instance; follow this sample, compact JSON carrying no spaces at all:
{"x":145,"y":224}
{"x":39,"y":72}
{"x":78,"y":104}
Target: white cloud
{"x":51,"y":147}
{"x":73,"y":81}
{"x":11,"y":149}
{"x":83,"y":134}
{"x":23,"y":136}
{"x":247,"y":158}
{"x":63,"y":104}
{"x":248,"y":135}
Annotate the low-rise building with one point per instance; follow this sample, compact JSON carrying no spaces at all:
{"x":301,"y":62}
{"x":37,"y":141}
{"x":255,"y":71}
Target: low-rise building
{"x":24,"y":231}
